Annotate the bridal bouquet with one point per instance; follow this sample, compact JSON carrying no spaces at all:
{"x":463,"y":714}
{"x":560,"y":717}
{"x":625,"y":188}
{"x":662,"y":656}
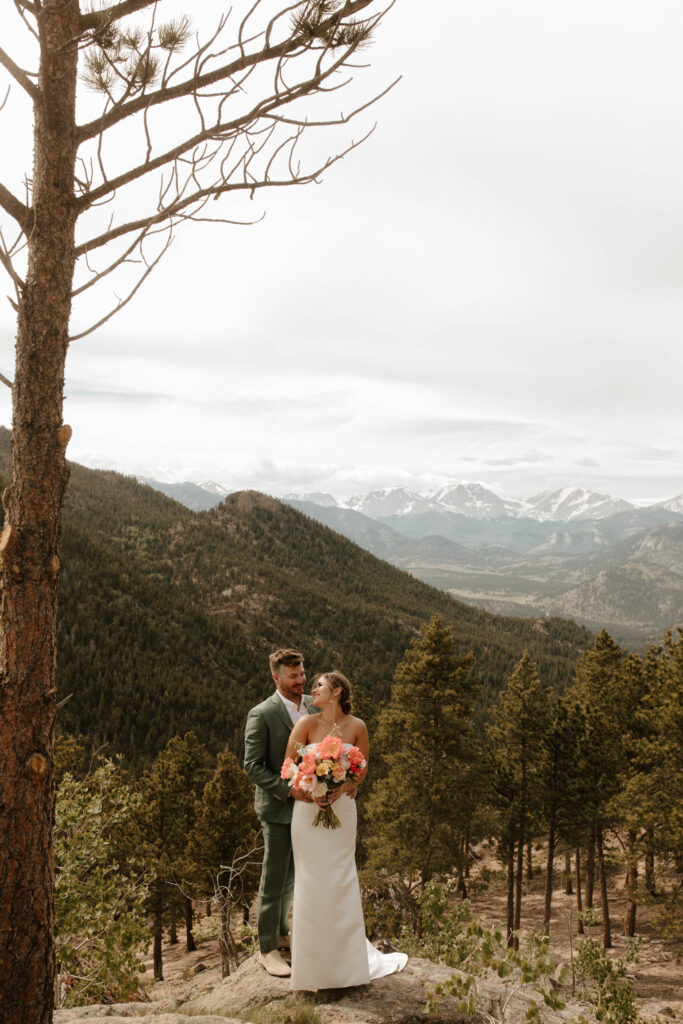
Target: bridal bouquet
{"x":321,"y":767}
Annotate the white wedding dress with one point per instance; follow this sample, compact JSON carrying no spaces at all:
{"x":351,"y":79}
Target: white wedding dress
{"x":329,"y":946}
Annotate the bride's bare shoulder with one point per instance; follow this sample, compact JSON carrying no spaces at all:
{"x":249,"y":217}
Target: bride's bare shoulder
{"x":358,"y":725}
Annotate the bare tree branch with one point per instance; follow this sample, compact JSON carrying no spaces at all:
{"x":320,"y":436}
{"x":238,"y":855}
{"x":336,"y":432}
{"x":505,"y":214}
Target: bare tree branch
{"x":187,"y":88}
{"x":95,"y":19}
{"x":262,"y":109}
{"x":6,"y":261}
{"x":14,"y":206}
{"x":19,"y":76}
{"x":176,"y":209}
{"x":5,"y":380}
{"x":124,"y":302}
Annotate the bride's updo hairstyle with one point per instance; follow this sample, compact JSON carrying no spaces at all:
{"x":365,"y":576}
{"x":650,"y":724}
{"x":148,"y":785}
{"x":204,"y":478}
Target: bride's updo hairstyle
{"x":338,"y":681}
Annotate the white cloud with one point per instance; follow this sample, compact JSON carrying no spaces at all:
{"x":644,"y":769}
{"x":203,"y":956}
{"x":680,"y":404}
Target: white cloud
{"x":493,"y":283}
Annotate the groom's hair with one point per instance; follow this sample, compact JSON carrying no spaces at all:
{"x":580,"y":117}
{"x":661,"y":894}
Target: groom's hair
{"x":285,"y":656}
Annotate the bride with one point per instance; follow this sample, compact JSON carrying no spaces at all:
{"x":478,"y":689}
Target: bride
{"x":329,"y":946}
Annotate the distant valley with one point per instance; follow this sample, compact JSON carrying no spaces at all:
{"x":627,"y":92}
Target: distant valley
{"x":571,"y":552}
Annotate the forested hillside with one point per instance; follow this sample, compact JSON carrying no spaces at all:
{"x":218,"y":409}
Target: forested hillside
{"x":167,"y":615}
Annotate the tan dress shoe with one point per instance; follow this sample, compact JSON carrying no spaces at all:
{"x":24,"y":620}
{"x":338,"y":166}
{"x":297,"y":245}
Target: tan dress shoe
{"x":274,"y":964}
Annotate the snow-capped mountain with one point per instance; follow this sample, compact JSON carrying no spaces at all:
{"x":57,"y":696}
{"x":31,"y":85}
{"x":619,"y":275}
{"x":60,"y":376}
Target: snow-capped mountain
{"x":475,"y":501}
{"x":390,"y":501}
{"x":673,"y":504}
{"x":322,"y":498}
{"x":571,"y":503}
{"x":213,"y":488}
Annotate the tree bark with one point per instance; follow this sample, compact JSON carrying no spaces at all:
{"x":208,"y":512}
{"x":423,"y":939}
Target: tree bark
{"x":590,"y":870}
{"x":158,"y":931}
{"x":606,"y":927}
{"x":529,"y":862}
{"x":226,"y":940}
{"x":631,"y":883}
{"x":567,"y":874}
{"x":29,"y":562}
{"x":189,"y":920}
{"x":650,"y":864}
{"x":518,"y":888}
{"x":549,"y":877}
{"x":579,"y":908}
{"x":510,"y":917}
{"x":173,"y":932}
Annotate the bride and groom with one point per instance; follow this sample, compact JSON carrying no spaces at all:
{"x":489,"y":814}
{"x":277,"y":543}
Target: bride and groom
{"x":313,"y":865}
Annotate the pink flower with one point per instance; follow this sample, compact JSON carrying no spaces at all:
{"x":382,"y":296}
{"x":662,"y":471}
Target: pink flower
{"x":356,"y":757}
{"x":338,"y":773}
{"x":331,"y":746}
{"x":288,"y":770}
{"x":308,"y":763}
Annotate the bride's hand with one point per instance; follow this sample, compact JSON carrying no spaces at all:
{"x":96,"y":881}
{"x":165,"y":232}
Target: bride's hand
{"x":330,"y":797}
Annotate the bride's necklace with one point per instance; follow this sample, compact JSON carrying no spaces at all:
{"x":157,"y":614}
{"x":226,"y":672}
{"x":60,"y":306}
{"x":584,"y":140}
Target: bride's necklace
{"x":335,"y":731}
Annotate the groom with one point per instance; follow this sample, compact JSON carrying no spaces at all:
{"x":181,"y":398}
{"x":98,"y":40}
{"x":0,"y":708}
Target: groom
{"x":265,"y":741}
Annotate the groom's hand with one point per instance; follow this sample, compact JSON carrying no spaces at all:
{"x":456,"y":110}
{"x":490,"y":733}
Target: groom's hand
{"x":298,"y":794}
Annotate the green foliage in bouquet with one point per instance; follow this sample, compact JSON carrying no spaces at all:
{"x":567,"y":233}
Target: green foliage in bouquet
{"x":99,"y":893}
{"x":487,"y":957}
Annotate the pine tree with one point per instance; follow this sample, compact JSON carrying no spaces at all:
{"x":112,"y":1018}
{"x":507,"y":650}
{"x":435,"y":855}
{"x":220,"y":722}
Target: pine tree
{"x":171,"y":788}
{"x":420,"y":814}
{"x":610,"y":691}
{"x":650,"y":802}
{"x":561,"y":792}
{"x":517,"y":732}
{"x":222,"y":844}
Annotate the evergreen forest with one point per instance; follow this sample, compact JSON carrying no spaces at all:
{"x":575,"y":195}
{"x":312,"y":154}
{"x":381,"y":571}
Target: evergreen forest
{"x":488,"y":734}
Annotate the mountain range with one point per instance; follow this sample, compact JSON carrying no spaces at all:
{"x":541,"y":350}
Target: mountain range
{"x":600,"y":560}
{"x":166,"y":616}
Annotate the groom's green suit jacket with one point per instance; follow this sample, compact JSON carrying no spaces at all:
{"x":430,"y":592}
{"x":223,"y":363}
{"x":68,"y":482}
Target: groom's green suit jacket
{"x":265,"y":741}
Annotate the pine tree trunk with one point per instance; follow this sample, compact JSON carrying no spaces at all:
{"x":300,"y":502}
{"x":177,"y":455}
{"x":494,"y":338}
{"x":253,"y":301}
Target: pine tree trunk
{"x":529,"y":862}
{"x":549,"y":877}
{"x":650,"y":865}
{"x":468,"y":855}
{"x":510,"y":921}
{"x":225,"y":940}
{"x":606,"y":927}
{"x":579,"y":908}
{"x":567,"y":874}
{"x":158,"y":931}
{"x":173,"y":932}
{"x":29,"y":562}
{"x":189,"y":920}
{"x":208,"y":908}
{"x":631,"y":883}
{"x":461,"y":885}
{"x":518,"y":888}
{"x":590,"y":870}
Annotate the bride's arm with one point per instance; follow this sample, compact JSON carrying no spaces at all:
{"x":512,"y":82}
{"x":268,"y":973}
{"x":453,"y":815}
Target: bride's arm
{"x":362,"y":741}
{"x":297,"y":737}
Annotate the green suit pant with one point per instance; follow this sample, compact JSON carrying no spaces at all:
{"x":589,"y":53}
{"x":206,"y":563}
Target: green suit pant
{"x":277,"y":884}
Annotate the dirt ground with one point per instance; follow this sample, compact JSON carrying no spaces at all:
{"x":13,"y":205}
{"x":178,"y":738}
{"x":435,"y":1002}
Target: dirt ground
{"x":657,"y":976}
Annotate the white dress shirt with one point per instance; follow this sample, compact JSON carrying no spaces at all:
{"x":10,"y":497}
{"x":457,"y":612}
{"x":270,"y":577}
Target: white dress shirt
{"x":294,"y":712}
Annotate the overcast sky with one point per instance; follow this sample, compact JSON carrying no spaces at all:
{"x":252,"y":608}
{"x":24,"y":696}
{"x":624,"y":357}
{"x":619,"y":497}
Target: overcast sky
{"x":490,"y":288}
